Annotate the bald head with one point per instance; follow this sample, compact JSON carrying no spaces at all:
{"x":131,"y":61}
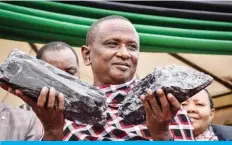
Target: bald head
{"x":55,"y":46}
{"x":93,"y":30}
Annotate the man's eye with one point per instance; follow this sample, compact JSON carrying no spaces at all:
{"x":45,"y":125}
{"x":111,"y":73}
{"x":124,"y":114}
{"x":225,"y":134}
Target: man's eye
{"x":71,"y":72}
{"x":132,"y":47}
{"x":111,"y":44}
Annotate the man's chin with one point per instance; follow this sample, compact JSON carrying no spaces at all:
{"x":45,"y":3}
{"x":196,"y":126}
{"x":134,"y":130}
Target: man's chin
{"x":120,"y":79}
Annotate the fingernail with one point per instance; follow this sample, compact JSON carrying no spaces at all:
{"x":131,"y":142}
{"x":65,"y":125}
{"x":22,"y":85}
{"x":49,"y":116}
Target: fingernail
{"x":149,"y":92}
{"x":159,"y":90}
{"x":169,"y":94}
{"x":45,"y":88}
{"x":142,"y":97}
{"x":53,"y":89}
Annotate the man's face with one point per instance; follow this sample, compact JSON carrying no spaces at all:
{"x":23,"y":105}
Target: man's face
{"x":64,"y":59}
{"x":114,"y":52}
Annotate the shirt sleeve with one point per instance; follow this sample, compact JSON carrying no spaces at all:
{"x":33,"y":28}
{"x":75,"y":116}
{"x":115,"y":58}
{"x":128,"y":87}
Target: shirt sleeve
{"x":35,"y":129}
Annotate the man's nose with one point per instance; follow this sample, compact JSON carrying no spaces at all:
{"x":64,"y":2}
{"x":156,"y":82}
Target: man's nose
{"x":123,"y":52}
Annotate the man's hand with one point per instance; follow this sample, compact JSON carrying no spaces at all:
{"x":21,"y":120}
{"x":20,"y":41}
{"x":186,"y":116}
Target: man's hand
{"x":158,"y":118}
{"x":50,"y":115}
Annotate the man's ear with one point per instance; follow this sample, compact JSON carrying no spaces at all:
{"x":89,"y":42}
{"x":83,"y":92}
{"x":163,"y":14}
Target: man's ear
{"x":85,"y":50}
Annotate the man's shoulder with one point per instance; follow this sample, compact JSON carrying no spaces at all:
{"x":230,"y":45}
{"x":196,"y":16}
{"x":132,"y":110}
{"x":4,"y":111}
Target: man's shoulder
{"x":17,"y":113}
{"x":4,"y":106}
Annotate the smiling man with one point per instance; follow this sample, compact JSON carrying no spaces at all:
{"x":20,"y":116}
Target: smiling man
{"x":112,"y":50}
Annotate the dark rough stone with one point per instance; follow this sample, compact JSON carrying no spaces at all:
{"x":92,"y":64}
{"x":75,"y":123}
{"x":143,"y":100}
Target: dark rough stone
{"x":83,"y":103}
{"x":181,"y":81}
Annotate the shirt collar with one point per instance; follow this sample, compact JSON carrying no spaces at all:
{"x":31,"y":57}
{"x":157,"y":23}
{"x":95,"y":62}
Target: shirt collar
{"x":113,"y":88}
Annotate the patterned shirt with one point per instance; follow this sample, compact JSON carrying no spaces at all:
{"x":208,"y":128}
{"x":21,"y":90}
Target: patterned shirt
{"x":117,"y":129}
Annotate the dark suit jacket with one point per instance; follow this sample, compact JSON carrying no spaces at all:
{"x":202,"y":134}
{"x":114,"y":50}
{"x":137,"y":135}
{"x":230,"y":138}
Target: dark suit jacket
{"x":223,"y":132}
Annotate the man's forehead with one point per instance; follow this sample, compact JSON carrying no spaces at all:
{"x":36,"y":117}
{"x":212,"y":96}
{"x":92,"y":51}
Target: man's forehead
{"x":118,"y":37}
{"x":111,"y":28}
{"x":114,"y":23}
{"x":65,"y":55}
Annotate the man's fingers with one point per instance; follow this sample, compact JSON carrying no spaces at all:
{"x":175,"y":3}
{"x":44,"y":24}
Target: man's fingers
{"x":164,"y":102}
{"x":153,"y":102}
{"x":51,"y":99}
{"x":42,"y":97}
{"x":175,"y":104}
{"x":61,"y":101}
{"x":146,"y":106}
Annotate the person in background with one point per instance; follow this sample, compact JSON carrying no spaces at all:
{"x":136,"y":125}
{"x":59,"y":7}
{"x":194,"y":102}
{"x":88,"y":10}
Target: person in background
{"x":60,"y":55}
{"x":200,"y":109}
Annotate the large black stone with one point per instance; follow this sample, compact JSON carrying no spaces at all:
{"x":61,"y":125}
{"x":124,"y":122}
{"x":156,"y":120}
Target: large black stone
{"x":83,"y":102}
{"x":181,"y":81}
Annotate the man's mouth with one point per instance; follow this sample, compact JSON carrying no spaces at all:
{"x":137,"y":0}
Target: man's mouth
{"x":122,"y":66}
